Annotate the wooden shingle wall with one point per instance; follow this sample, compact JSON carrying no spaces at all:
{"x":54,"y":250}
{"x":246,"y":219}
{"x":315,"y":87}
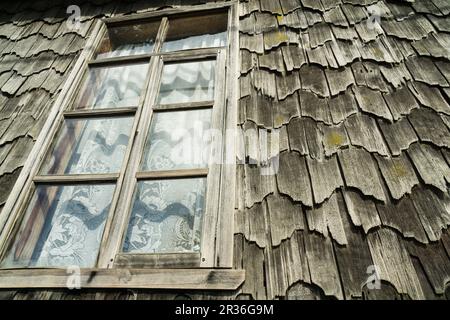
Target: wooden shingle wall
{"x":363,"y":116}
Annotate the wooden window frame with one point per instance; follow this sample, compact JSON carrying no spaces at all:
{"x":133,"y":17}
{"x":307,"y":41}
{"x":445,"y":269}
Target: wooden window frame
{"x":210,"y":269}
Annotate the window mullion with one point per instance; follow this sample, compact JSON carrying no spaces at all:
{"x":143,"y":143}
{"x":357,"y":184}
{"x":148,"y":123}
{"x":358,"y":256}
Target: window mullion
{"x":113,"y":236}
{"x":172,"y":174}
{"x":124,"y":189}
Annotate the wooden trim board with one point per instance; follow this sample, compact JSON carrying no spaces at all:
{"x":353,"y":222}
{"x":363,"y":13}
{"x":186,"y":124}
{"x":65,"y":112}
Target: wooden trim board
{"x":192,"y":279}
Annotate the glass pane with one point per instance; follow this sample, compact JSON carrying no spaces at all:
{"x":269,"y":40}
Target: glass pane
{"x":197,"y":32}
{"x":129,"y":40}
{"x":89,"y":146}
{"x":187,"y":82}
{"x":166,"y":216}
{"x":63,"y":226}
{"x":178,"y":140}
{"x":112,"y":87}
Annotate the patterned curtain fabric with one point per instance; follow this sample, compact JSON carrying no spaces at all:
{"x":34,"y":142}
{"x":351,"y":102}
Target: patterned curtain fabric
{"x":128,"y":50}
{"x":113,"y":87}
{"x":194,"y":42}
{"x":187,"y":82}
{"x":166,"y":216}
{"x":64,"y":226}
{"x":178,"y":140}
{"x":90,"y":146}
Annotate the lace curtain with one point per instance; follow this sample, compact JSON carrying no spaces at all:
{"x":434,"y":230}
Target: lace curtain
{"x":113,"y":87}
{"x":187,"y":82}
{"x":90,"y":146}
{"x":194,"y":42}
{"x":178,"y":140}
{"x":166,"y":217}
{"x":64,"y":226}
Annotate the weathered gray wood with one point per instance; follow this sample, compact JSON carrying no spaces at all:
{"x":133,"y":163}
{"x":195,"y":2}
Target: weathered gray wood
{"x":399,"y":175}
{"x":353,"y":259}
{"x":430,"y":97}
{"x":360,"y":172}
{"x":342,"y":106}
{"x":289,"y":5}
{"x":347,"y":34}
{"x":326,"y":219}
{"x":170,"y":174}
{"x":339,"y":80}
{"x":210,"y":217}
{"x":171,"y":260}
{"x":314,"y":107}
{"x":253,"y":264}
{"x":368,"y":34}
{"x":255,"y":224}
{"x":100,"y":112}
{"x":433,"y":213}
{"x":284,"y":218}
{"x":277,"y":37}
{"x":325,"y":178}
{"x":401,"y":102}
{"x":293,"y":179}
{"x":184,"y":106}
{"x":334,"y":138}
{"x":430,"y":165}
{"x":435,"y":264}
{"x":372,"y":101}
{"x":322,"y":264}
{"x":430,"y":127}
{"x":120,"y":60}
{"x":294,"y":57}
{"x":272,"y":60}
{"x":76,"y":178}
{"x":210,"y":7}
{"x":287,"y":84}
{"x":361,"y":210}
{"x":398,"y":135}
{"x":403,"y":217}
{"x":363,"y":132}
{"x":353,"y":13}
{"x":319,"y":34}
{"x":397,"y":75}
{"x":414,"y":28}
{"x":197,"y":279}
{"x":313,"y":138}
{"x":335,"y":17}
{"x":286,"y":110}
{"x":313,"y":79}
{"x":252,"y":43}
{"x":423,"y":69}
{"x":257,"y":185}
{"x":368,"y":74}
{"x":394,"y":263}
{"x":264,"y":81}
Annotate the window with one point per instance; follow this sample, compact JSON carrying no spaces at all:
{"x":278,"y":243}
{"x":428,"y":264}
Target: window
{"x":131,"y":170}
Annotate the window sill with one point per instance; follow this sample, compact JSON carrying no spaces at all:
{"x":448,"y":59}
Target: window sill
{"x":194,"y":279}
